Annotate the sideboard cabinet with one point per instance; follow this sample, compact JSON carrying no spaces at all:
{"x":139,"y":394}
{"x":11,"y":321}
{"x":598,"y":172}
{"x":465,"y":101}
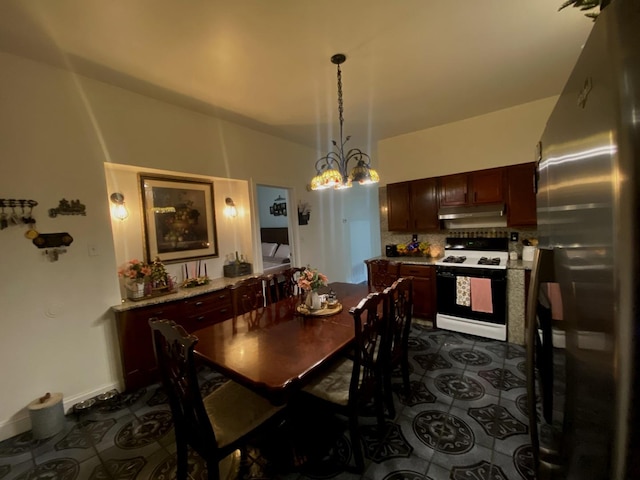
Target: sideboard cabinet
{"x":134,"y":334}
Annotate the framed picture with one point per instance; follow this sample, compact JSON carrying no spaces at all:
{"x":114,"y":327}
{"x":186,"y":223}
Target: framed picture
{"x":179,"y":218}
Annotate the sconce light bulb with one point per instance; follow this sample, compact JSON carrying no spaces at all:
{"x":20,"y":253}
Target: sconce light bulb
{"x":118,"y":209}
{"x":230,"y":210}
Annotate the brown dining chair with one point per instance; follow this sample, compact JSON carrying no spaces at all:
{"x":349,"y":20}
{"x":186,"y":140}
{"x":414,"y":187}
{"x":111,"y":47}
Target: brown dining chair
{"x":249,"y":298}
{"x":381,"y":273}
{"x":399,"y":327}
{"x":213,"y":426}
{"x":289,"y":287}
{"x":352,"y":381}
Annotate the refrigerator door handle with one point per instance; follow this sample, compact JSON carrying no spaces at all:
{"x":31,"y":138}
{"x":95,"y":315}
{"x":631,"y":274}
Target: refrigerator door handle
{"x":531,"y":340}
{"x":539,"y":352}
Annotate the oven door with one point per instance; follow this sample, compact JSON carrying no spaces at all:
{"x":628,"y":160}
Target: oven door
{"x":447,"y":293}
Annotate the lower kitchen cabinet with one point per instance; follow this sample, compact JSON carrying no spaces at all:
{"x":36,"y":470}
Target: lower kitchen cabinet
{"x":134,"y":334}
{"x":424,"y":288}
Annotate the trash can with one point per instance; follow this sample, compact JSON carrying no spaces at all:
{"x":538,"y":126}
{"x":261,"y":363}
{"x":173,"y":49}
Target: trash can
{"x":47,"y":415}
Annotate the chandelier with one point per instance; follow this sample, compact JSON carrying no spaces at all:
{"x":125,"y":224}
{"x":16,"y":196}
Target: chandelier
{"x":332,"y":169}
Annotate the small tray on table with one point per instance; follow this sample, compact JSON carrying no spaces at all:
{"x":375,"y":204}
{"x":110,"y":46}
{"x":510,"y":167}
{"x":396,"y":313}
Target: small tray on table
{"x":325,"y":311}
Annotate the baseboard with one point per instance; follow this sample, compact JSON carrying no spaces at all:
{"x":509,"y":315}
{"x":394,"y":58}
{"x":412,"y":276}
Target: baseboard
{"x":21,"y":422}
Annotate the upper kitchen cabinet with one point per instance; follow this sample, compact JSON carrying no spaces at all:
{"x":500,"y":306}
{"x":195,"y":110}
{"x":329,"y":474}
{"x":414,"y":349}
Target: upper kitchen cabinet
{"x":413,"y":206}
{"x":521,"y":201}
{"x":473,"y":188}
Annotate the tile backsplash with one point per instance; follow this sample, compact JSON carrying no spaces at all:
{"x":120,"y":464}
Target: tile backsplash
{"x":438,"y":239}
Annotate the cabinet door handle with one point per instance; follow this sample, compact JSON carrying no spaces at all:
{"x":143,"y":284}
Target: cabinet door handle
{"x":198,"y":304}
{"x":200,"y":319}
{"x":224,"y":310}
{"x":222,"y":297}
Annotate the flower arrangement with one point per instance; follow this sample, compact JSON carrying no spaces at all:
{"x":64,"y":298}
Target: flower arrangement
{"x":195,"y":282}
{"x":158,"y":274}
{"x":414,"y":248}
{"x":310,"y":279}
{"x":135,"y":270}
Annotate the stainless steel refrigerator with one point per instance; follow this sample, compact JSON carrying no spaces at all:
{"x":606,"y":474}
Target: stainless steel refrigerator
{"x":583,"y":378}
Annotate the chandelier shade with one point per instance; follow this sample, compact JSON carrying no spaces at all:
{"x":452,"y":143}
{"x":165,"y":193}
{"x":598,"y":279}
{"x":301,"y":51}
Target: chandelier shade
{"x":332,"y":170}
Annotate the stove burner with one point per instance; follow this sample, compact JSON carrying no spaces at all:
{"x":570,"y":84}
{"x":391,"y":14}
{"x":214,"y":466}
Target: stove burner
{"x":489,"y":261}
{"x":452,"y":259}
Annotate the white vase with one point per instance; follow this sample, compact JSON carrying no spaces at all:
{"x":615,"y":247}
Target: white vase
{"x":313,"y":301}
{"x":135,"y":290}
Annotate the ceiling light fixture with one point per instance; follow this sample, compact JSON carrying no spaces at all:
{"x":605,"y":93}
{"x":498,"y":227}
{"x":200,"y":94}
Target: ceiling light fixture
{"x":332,"y":169}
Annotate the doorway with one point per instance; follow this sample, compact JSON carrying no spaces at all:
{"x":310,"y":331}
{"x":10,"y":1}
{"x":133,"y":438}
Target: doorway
{"x":274,"y":212}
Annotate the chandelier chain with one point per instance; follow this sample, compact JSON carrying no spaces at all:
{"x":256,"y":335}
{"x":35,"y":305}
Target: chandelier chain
{"x":340,"y":104}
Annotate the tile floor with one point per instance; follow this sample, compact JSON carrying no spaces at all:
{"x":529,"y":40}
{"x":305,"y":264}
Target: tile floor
{"x":465,"y":419}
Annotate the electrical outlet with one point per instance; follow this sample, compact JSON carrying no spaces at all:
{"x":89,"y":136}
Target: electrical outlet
{"x":93,"y":250}
{"x":514,"y":236}
{"x":414,"y":237}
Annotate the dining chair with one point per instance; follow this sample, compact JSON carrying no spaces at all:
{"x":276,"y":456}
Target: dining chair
{"x":213,"y":426}
{"x":354,"y":380}
{"x":289,"y":287}
{"x":381,"y":273}
{"x":399,"y":327}
{"x":250,"y":296}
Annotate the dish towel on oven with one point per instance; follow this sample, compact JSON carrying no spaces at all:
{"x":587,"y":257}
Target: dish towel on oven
{"x":462,"y":291}
{"x":481,"y":300}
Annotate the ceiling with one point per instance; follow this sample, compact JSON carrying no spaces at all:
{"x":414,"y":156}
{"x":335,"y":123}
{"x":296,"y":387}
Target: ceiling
{"x":411,"y":64}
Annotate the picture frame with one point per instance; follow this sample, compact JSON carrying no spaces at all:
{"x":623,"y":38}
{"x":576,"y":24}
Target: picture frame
{"x":179,"y":218}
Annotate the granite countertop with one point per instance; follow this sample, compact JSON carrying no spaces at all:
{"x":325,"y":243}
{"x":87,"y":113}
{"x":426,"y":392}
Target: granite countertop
{"x":519,"y":265}
{"x":181,"y":293}
{"x":409,"y":259}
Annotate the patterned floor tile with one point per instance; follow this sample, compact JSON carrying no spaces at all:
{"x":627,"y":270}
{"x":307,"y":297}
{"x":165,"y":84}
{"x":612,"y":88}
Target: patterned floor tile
{"x":479,"y":471}
{"x":436,"y":472}
{"x":420,"y":449}
{"x":17,"y":450}
{"x":413,"y":468}
{"x":468,"y":459}
{"x":509,"y":468}
{"x":459,"y":386}
{"x":429,"y":362}
{"x":497,"y":422}
{"x":467,"y":356}
{"x":12,"y":471}
{"x":523,"y":462}
{"x":509,"y":445}
{"x":481,"y":437}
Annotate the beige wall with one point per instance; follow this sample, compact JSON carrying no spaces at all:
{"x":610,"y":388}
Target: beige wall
{"x":58,"y":132}
{"x":505,"y":137}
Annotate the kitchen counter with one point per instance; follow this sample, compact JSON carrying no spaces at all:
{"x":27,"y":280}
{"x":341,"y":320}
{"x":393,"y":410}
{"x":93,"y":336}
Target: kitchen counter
{"x":182,"y":293}
{"x":519,"y":265}
{"x":410,"y":260}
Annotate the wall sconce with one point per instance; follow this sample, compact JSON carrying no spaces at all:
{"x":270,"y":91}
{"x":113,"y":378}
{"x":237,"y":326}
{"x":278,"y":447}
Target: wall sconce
{"x":118,"y":209}
{"x":230,"y":210}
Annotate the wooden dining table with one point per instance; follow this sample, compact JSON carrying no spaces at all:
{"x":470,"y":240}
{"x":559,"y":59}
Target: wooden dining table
{"x":276,"y":350}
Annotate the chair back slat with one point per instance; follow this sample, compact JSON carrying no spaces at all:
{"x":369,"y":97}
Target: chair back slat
{"x":400,"y":314}
{"x":249,"y":298}
{"x":381,"y":274}
{"x":290,"y":286}
{"x":173,"y":348}
{"x":370,"y":323}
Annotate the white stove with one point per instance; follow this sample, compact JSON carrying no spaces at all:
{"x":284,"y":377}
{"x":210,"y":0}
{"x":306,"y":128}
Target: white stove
{"x":471,"y":288}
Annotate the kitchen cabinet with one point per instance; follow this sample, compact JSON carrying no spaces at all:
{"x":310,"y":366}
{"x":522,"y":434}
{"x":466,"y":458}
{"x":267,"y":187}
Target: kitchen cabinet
{"x":134,"y":334}
{"x":472,"y":188}
{"x":521,"y":197}
{"x":413,"y":206}
{"x":424,"y":288}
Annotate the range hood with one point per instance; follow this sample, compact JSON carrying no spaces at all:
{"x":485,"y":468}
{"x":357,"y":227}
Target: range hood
{"x":495,"y":210}
{"x":477,"y":216}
